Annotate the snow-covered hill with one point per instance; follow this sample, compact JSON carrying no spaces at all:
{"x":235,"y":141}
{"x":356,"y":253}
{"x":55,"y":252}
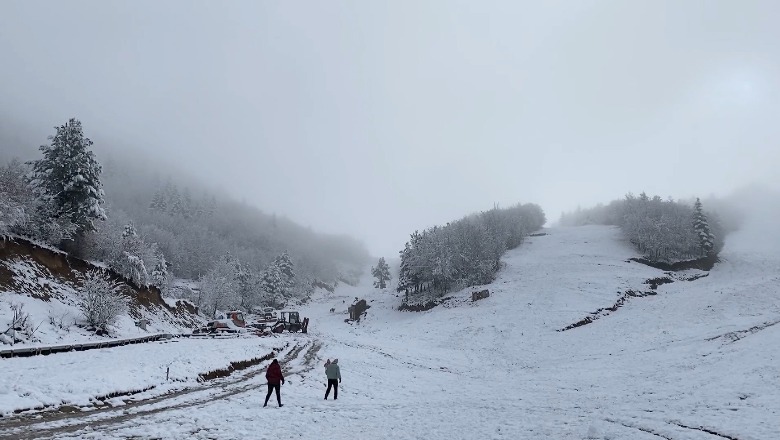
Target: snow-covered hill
{"x":697,"y":360}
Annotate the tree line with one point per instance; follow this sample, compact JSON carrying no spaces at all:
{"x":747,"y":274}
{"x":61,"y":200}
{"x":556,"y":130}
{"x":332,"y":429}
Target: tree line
{"x":465,"y":252}
{"x":666,"y":231}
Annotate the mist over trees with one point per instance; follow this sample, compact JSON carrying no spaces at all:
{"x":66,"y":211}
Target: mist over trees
{"x":151,"y":228}
{"x":665,"y":231}
{"x":464,"y":253}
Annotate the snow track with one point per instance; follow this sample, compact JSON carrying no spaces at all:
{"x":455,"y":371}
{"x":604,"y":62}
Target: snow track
{"x":54,"y":425}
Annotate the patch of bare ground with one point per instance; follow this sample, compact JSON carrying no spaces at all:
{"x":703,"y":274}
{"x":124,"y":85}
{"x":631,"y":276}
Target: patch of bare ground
{"x":233,"y":367}
{"x":605,"y":311}
{"x":705,"y":264}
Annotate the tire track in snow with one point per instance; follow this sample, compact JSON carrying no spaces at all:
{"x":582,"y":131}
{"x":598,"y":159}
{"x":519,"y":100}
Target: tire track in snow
{"x":703,"y":429}
{"x":640,"y":428}
{"x":105,"y":417}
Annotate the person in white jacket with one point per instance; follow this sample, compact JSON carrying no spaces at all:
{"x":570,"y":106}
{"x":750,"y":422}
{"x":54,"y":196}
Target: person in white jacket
{"x":333,"y":373}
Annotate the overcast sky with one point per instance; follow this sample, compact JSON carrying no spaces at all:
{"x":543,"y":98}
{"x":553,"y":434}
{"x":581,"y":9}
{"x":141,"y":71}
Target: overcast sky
{"x":376,"y":118}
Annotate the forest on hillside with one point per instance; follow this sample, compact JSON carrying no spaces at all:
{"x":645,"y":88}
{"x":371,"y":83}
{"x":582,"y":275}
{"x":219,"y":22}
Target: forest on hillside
{"x":465,"y":252}
{"x":151,"y":228}
{"x":662,"y":230}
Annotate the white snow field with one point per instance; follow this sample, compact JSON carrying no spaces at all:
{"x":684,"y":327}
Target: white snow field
{"x":697,"y":361}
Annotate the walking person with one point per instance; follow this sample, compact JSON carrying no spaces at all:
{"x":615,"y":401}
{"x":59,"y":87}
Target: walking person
{"x":333,"y":373}
{"x":274,"y":376}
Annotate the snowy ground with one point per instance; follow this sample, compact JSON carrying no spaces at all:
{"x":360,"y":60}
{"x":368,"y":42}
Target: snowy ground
{"x":697,"y":361}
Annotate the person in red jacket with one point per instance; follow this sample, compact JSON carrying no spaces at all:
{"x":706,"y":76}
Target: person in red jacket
{"x":274,"y":377}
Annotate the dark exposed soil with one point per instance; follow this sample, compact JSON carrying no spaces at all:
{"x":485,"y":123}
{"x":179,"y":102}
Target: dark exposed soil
{"x":606,"y":310}
{"x":655,"y":282}
{"x":234,"y":366}
{"x":706,"y":263}
{"x":418,"y":307}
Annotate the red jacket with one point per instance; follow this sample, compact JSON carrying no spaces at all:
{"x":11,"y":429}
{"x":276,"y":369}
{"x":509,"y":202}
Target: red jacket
{"x":274,"y":374}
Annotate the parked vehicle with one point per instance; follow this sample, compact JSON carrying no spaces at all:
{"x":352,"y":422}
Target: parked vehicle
{"x":269,"y":313}
{"x":291,"y":321}
{"x":229,"y":322}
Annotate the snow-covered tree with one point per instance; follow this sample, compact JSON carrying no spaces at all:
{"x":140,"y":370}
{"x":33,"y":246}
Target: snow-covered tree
{"x":67,"y":178}
{"x":706,"y":239}
{"x":286,"y":270}
{"x":244,"y":285}
{"x":160,"y":276}
{"x":218,"y":288}
{"x":16,"y":199}
{"x":382,"y":274}
{"x":278,"y":279}
{"x":662,"y":230}
{"x":465,"y":252}
{"x":23,"y":213}
{"x":130,"y":262}
{"x":272,"y":285}
{"x":101,"y":300}
{"x":158,"y":203}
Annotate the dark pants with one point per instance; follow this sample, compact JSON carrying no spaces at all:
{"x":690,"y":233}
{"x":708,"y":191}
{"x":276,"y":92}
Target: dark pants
{"x":271,"y":387}
{"x":335,"y":384}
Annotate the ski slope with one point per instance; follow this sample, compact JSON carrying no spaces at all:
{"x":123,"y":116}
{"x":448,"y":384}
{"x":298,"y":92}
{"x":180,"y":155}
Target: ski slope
{"x":699,"y":360}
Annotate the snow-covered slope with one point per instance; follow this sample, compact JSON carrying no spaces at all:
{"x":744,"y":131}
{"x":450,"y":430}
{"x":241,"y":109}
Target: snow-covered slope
{"x":698,"y":360}
{"x":44,"y":284}
{"x":657,"y":362}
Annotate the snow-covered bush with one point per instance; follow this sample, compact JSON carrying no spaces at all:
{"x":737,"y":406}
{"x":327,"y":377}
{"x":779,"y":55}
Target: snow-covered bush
{"x":62,"y":321}
{"x":101,"y":300}
{"x":19,"y":327}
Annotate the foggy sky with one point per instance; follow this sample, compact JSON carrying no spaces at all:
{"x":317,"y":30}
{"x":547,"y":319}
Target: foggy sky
{"x":376,"y":118}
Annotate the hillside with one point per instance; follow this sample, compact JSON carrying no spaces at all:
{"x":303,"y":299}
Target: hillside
{"x":699,"y":353}
{"x":698,"y":360}
{"x":45,"y":282}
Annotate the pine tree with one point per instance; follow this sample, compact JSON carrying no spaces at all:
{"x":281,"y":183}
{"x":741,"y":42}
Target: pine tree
{"x":286,"y":270}
{"x":271,"y":284}
{"x":706,"y":240}
{"x":158,"y":203}
{"x":382,"y":274}
{"x":67,"y":179}
{"x":160,"y":275}
{"x":129,"y":262}
{"x":175,"y":202}
{"x":278,"y":279}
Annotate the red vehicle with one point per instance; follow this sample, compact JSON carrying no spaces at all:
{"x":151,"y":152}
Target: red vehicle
{"x":230,"y":322}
